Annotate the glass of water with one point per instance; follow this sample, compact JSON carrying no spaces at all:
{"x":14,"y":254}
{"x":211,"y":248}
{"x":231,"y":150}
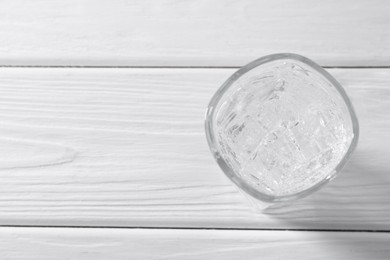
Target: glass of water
{"x":281,"y":127}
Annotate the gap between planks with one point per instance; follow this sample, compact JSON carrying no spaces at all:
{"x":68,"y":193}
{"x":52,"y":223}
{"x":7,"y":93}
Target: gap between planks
{"x":170,"y":67}
{"x":196,"y":228}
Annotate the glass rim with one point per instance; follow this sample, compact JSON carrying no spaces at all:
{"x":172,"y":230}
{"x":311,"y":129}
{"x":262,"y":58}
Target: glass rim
{"x":229,"y":172}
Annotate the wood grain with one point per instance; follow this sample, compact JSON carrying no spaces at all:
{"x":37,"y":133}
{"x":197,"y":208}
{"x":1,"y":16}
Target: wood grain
{"x":69,"y":243}
{"x":192,"y":33}
{"x":126,"y":147}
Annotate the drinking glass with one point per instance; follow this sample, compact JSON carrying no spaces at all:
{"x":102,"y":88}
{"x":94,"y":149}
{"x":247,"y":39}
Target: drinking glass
{"x":281,"y":127}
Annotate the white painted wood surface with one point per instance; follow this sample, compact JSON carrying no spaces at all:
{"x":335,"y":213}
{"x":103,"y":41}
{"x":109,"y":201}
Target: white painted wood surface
{"x":126,"y":147}
{"x":70,"y":243}
{"x":192,"y":33}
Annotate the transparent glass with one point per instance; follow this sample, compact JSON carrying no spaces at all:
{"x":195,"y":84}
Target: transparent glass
{"x":281,"y":127}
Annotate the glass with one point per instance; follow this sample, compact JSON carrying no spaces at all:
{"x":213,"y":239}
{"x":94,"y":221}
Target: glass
{"x":281,"y":127}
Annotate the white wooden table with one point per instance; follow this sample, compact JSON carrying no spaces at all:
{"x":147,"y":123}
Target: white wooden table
{"x":103,"y":153}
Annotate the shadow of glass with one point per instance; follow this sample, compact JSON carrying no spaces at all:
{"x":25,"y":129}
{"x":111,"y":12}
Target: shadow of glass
{"x":357,"y":199}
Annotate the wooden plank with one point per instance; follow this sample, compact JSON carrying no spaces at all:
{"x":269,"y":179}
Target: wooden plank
{"x":192,"y":33}
{"x":73,"y":243}
{"x":126,"y":147}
